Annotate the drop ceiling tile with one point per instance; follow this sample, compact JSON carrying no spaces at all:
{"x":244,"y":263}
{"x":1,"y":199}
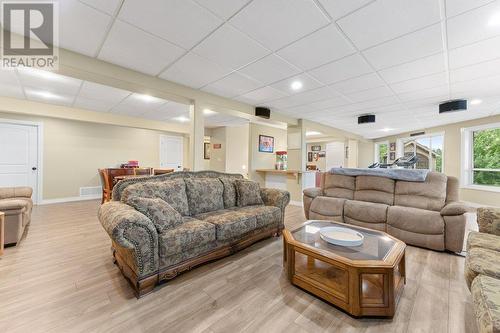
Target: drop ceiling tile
{"x":270,"y":69}
{"x":135,"y":105}
{"x":483,"y":69}
{"x":8,"y":77}
{"x":485,"y":50}
{"x":261,"y":95}
{"x":43,"y":96}
{"x":425,"y":82}
{"x":338,"y":8}
{"x":223,"y":8}
{"x":194,"y":71}
{"x":474,"y":25}
{"x":419,"y":44}
{"x":325,"y":45}
{"x":330,"y":103}
{"x":169,"y":111}
{"x":48,"y":81}
{"x":455,"y":7}
{"x":82,"y":29}
{"x":230,"y":48}
{"x":10,"y":90}
{"x":383,"y":20}
{"x":425,"y":93}
{"x":421,"y":67}
{"x":307,"y":81}
{"x":234,"y":84}
{"x":182,"y":22}
{"x":100,"y":92}
{"x":359,"y":83}
{"x":370,"y":94}
{"x":279,"y":22}
{"x":132,"y":48}
{"x":108,"y":6}
{"x":93,"y":104}
{"x":342,"y":69}
{"x":487,"y":86}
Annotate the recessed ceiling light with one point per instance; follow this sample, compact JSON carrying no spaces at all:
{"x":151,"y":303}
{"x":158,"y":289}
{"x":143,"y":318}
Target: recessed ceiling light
{"x":207,"y":112}
{"x":475,"y":102}
{"x":386,"y":129}
{"x":182,"y":119}
{"x":311,"y":133}
{"x":494,"y":20}
{"x":296,"y":85}
{"x":146,"y":98}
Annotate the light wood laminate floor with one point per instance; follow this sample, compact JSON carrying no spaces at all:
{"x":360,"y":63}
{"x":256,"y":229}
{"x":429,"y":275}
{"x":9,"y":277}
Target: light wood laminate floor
{"x":62,"y":279}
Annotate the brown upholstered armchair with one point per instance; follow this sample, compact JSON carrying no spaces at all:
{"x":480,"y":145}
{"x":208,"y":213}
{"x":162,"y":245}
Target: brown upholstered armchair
{"x":16,"y":203}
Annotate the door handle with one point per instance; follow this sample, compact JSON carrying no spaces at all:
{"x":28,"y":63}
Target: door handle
{"x":33,"y":168}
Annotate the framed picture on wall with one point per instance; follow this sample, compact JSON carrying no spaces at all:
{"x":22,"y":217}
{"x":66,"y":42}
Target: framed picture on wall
{"x":206,"y":150}
{"x":266,"y":144}
{"x":315,"y":148}
{"x":392,"y":146}
{"x":392,"y":155}
{"x":310,"y":156}
{"x":322,"y":154}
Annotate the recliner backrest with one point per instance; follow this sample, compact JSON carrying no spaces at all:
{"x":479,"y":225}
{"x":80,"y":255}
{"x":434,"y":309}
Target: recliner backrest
{"x":375,"y":189}
{"x":339,"y":186}
{"x":430,"y":195}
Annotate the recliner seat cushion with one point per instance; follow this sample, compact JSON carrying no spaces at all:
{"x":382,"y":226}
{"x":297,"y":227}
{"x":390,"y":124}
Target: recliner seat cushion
{"x":204,"y":195}
{"x":339,"y":186}
{"x":190,"y":234}
{"x":375,"y":189}
{"x":232,"y":224}
{"x":430,"y":194}
{"x":366,"y":211}
{"x":172,"y":191}
{"x":416,"y":220}
{"x":328,"y":206}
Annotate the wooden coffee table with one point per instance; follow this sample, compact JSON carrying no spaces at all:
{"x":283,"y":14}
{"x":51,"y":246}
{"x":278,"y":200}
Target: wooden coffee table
{"x":365,"y":280}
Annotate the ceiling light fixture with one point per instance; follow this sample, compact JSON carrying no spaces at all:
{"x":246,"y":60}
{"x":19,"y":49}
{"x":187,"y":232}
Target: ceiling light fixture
{"x":296,"y":85}
{"x":475,"y":102}
{"x":146,"y":98}
{"x":206,"y":112}
{"x":182,"y":119}
{"x":311,"y":133}
{"x":387,"y":129}
{"x":494,"y":20}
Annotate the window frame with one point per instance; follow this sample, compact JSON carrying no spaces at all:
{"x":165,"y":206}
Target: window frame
{"x":467,"y":159}
{"x":400,"y":146}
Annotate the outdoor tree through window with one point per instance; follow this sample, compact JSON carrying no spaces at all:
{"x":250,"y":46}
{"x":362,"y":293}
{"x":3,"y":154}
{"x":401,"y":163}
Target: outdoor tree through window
{"x":486,"y":157}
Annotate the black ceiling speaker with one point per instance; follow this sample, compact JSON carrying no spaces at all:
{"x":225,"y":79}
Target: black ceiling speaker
{"x":368,"y":118}
{"x":451,"y":106}
{"x":263,"y":112}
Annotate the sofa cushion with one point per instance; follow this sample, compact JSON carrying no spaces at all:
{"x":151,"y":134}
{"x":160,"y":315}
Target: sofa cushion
{"x":339,"y":186}
{"x":267,"y":216}
{"x":415,"y":220}
{"x":430,"y":194}
{"x":481,"y":261}
{"x":483,"y":240}
{"x":248,"y":193}
{"x":365,"y":211}
{"x":375,"y":189}
{"x":192,"y":233}
{"x":232,"y":224}
{"x":172,"y":191}
{"x":204,"y":195}
{"x":328,"y":206}
{"x":488,"y":219}
{"x":486,"y":299}
{"x":162,"y":215}
{"x":229,"y":194}
{"x":11,"y":204}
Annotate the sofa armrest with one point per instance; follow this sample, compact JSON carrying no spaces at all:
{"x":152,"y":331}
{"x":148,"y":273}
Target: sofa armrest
{"x":455,"y":208}
{"x":16,"y":192}
{"x":313,"y":192}
{"x":135,"y":233}
{"x":488,"y":219}
{"x":277,"y":198}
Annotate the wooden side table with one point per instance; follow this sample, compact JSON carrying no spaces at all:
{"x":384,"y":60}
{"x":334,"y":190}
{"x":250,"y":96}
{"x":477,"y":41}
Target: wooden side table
{"x":2,"y":231}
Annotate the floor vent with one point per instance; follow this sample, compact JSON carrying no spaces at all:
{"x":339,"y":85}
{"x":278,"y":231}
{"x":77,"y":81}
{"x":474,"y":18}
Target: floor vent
{"x":90,"y":191}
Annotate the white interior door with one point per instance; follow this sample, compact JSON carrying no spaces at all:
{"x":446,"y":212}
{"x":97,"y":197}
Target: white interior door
{"x":171,"y":152}
{"x":334,"y":155}
{"x":19,"y":156}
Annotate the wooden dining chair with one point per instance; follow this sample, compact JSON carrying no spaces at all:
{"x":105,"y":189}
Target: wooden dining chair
{"x":142,"y":171}
{"x":107,"y":185}
{"x":162,"y":171}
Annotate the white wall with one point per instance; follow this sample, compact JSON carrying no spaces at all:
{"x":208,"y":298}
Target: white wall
{"x":237,"y":140}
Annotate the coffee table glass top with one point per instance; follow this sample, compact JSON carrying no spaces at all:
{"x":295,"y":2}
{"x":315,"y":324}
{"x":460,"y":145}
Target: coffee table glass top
{"x":376,"y":245}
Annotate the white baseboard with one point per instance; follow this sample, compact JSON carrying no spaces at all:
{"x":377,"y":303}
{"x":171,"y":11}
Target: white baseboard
{"x":69,"y":199}
{"x":296,"y":203}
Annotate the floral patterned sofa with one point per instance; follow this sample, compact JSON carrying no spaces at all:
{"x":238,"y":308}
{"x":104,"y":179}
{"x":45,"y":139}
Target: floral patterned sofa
{"x":163,"y":225}
{"x":482,"y":269}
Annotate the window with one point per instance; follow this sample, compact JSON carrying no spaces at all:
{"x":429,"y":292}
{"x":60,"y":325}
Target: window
{"x":381,"y":152}
{"x":481,"y":156}
{"x":428,"y":149}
